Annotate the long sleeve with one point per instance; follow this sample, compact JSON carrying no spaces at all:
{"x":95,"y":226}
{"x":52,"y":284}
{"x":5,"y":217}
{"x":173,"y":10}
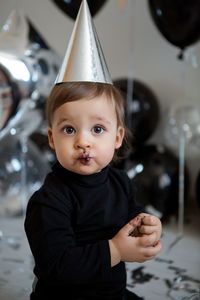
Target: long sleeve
{"x":68,"y":224}
{"x":52,"y":240}
{"x":134,"y":208}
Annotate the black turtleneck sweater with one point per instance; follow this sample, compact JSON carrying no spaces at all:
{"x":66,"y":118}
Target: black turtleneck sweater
{"x":68,"y":223}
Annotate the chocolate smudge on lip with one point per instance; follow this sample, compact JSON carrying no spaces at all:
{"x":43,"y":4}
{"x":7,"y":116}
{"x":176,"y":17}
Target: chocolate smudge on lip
{"x":84,"y":158}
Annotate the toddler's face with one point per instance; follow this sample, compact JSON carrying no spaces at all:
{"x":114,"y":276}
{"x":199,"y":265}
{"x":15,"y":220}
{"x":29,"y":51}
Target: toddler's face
{"x":84,"y":134}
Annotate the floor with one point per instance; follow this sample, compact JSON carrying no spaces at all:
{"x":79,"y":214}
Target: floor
{"x":175,"y":273}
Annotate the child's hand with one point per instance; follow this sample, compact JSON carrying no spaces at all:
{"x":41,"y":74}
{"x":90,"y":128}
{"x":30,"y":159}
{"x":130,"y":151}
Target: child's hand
{"x":125,"y":247}
{"x":148,"y":225}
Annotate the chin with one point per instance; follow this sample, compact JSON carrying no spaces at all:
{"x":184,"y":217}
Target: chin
{"x":82,"y":172}
{"x":87,"y":171}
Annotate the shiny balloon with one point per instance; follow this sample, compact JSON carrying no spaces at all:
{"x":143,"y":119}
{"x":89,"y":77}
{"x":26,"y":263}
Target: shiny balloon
{"x":177,"y":20}
{"x":12,"y":189}
{"x":71,"y":7}
{"x":144,"y":109}
{"x":9,"y":98}
{"x":155,"y":172}
{"x":6,"y":104}
{"x":183,"y":122}
{"x":28,"y":67}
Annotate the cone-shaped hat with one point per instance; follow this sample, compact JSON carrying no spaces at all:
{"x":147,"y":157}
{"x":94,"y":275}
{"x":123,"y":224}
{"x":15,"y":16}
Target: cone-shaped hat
{"x":14,"y":33}
{"x":84,"y":59}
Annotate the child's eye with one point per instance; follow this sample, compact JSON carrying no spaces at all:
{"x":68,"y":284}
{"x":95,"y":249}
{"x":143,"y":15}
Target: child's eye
{"x":98,"y":129}
{"x":69,"y":130}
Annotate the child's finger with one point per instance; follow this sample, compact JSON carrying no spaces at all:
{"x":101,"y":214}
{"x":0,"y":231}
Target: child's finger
{"x":135,"y":222}
{"x":147,"y":219}
{"x":147,"y":229}
{"x":147,"y":240}
{"x":150,"y":220}
{"x":152,"y":251}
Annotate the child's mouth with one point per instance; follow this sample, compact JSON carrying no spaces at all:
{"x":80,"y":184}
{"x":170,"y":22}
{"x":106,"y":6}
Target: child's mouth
{"x":84,"y":159}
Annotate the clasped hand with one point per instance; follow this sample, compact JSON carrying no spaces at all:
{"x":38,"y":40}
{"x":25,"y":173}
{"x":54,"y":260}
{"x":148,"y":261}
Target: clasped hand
{"x":137,"y":241}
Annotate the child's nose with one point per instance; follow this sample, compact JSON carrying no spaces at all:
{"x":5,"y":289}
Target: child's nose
{"x":82,"y":142}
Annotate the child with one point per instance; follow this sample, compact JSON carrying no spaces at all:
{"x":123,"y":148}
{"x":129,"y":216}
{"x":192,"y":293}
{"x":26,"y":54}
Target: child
{"x":79,"y":224}
{"x":84,"y":223}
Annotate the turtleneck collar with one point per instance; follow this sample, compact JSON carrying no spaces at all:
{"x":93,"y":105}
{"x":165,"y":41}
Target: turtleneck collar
{"x":85,"y":180}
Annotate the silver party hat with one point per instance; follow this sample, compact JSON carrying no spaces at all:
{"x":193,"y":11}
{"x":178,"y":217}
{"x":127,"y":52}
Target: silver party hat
{"x":14,"y":33}
{"x":84,"y":59}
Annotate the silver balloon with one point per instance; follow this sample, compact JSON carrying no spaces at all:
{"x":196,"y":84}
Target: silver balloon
{"x":181,"y":130}
{"x":5,"y":103}
{"x":192,"y":57}
{"x":22,"y":171}
{"x":28,"y":67}
{"x":26,"y":120}
{"x":182,"y":122}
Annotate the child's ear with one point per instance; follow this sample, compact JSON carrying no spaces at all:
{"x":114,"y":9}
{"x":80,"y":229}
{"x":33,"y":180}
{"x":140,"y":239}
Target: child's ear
{"x":50,"y":138}
{"x":119,"y":137}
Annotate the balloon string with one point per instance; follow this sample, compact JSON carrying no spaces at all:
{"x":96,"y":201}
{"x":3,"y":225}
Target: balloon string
{"x":24,"y":187}
{"x":182,"y":157}
{"x":183,"y":70}
{"x":130,"y":81}
{"x":181,"y":54}
{"x":181,"y":184}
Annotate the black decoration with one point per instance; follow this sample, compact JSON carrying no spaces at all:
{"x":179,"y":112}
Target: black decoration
{"x":71,"y":7}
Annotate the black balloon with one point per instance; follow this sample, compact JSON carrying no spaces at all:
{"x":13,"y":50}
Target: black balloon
{"x":71,"y":7}
{"x":155,"y":172}
{"x":197,"y":189}
{"x":144,"y":109}
{"x":177,"y":20}
{"x":35,"y":37}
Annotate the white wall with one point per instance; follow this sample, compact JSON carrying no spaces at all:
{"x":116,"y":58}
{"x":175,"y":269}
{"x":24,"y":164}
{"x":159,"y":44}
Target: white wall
{"x":123,"y":35}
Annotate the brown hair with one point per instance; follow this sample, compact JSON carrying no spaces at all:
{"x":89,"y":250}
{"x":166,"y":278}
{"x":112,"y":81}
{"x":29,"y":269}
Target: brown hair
{"x":72,"y":91}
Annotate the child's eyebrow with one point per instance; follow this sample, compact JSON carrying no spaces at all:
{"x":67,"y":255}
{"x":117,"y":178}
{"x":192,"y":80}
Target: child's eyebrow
{"x":95,"y":118}
{"x":60,"y":121}
{"x":102,"y":119}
